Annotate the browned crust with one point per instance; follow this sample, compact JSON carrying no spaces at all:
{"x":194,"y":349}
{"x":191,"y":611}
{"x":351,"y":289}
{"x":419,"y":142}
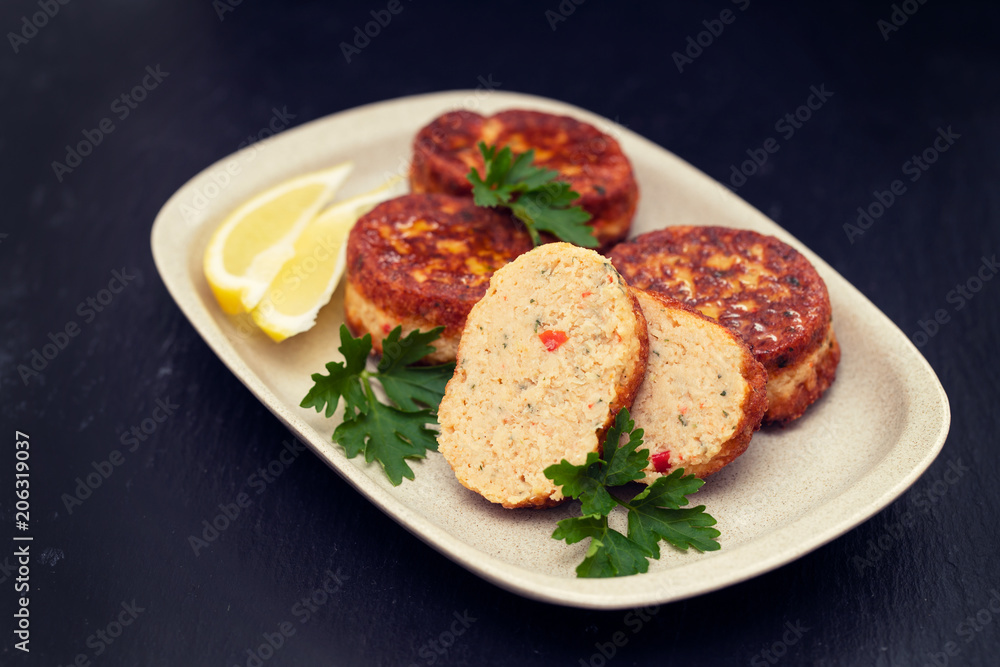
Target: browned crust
{"x":783,"y":319}
{"x":437,"y":151}
{"x":589,"y":160}
{"x":754,"y":405}
{"x":428,"y":258}
{"x":818,"y":379}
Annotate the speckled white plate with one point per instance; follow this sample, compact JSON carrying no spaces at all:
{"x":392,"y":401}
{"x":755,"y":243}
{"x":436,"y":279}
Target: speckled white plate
{"x":855,"y":451}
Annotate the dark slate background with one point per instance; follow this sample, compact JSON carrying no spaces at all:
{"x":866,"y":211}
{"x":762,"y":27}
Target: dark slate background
{"x":226,"y":71}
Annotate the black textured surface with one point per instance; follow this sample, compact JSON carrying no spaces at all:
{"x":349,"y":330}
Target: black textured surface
{"x":62,"y":239}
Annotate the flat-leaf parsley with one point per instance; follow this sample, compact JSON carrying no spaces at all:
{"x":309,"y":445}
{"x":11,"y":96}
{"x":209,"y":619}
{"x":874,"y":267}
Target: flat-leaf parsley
{"x":533,"y":194}
{"x":389,"y":434}
{"x":655,"y":514}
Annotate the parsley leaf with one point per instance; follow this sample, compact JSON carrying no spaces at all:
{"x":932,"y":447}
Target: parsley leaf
{"x":533,"y":194}
{"x":412,"y":387}
{"x":389,"y":434}
{"x":610,"y":553}
{"x":655,"y":514}
{"x":585,"y":482}
{"x":624,"y":463}
{"x":417,"y":387}
{"x":342,"y":380}
{"x":588,"y":482}
{"x":683,"y":528}
{"x":410,"y":350}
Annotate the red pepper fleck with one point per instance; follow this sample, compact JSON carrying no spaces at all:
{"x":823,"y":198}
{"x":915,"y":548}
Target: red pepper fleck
{"x":684,"y":410}
{"x":586,"y":294}
{"x":553,"y":339}
{"x":661,"y":461}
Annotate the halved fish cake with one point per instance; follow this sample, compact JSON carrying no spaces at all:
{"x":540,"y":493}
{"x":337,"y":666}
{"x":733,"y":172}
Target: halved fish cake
{"x":589,"y":160}
{"x":549,"y":355}
{"x":755,"y":285}
{"x":703,"y":395}
{"x":423,"y":261}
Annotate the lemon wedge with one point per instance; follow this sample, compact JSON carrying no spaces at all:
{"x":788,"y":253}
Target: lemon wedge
{"x":305,"y":283}
{"x":258,"y":238}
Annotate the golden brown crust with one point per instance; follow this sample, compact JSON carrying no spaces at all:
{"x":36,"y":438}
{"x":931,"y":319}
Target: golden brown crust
{"x":589,"y":160}
{"x":753,"y":284}
{"x":426,"y":260}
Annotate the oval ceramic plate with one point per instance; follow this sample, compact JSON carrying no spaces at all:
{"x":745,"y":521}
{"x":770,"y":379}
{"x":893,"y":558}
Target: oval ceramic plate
{"x":855,"y":451}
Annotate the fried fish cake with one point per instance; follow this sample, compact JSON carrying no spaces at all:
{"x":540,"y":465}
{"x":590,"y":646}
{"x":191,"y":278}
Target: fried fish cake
{"x":588,"y":159}
{"x":703,"y":395}
{"x":755,"y":285}
{"x":422,"y":261}
{"x":550,"y":354}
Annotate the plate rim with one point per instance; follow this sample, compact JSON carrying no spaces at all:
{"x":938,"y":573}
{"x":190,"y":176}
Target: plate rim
{"x":575,"y":592}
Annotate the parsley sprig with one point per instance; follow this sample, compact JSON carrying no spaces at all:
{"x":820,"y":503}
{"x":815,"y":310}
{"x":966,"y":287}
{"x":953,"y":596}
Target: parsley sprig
{"x":533,"y":195}
{"x":655,"y":514}
{"x":389,"y":434}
